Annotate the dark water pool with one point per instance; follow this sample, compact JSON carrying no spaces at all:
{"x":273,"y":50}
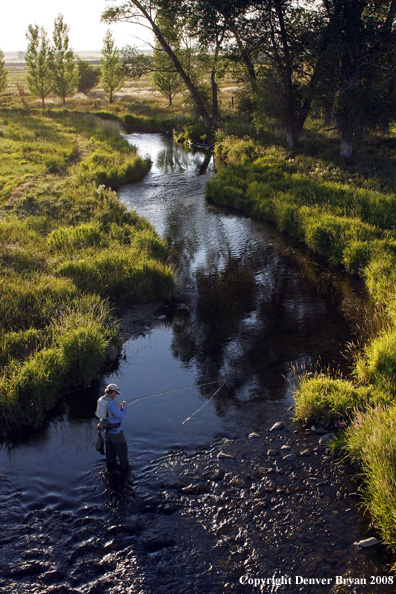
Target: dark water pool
{"x":207,"y":507}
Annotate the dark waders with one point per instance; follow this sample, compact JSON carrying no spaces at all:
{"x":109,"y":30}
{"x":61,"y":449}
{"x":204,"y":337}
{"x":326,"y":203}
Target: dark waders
{"x":116,"y":445}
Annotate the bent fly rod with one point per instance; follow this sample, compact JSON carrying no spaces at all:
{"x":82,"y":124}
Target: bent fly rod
{"x":180,"y":390}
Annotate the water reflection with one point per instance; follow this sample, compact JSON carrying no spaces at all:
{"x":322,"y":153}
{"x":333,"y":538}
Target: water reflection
{"x":257,"y":303}
{"x":173,"y":160}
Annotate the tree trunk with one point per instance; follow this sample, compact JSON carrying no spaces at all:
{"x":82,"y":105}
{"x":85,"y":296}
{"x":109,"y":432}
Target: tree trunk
{"x":348,"y":117}
{"x":346,"y":147}
{"x":178,"y":66}
{"x":215,"y":113}
{"x":293,"y":133}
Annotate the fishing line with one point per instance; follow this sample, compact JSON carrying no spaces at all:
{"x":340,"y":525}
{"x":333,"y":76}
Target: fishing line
{"x":171,"y":391}
{"x":204,"y":404}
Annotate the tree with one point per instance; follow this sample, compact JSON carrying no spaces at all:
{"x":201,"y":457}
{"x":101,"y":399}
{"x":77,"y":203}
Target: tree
{"x":3,"y":73}
{"x":38,"y":62}
{"x":112,"y":74}
{"x":88,"y":76}
{"x":62,"y":61}
{"x":166,"y":80}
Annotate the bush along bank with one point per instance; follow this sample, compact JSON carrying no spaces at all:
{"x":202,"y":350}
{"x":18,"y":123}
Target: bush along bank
{"x":349,"y":217}
{"x":70,"y":251}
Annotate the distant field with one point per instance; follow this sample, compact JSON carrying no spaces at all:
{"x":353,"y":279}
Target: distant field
{"x":138,"y":96}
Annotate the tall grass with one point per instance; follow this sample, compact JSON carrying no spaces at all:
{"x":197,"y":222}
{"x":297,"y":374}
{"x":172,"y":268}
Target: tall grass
{"x":67,"y":245}
{"x":370,"y":443}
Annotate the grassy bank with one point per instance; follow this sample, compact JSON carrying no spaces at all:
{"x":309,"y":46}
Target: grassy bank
{"x":347,"y":214}
{"x":69,"y":251}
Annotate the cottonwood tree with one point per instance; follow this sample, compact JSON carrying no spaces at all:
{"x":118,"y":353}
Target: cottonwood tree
{"x":3,"y":73}
{"x":62,"y":61}
{"x":37,"y":58}
{"x":112,"y":74}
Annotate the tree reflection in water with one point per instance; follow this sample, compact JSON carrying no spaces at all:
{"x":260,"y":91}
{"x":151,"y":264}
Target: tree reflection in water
{"x":258,"y":301}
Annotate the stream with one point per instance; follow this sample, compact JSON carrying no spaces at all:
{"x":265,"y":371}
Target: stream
{"x":218,"y":500}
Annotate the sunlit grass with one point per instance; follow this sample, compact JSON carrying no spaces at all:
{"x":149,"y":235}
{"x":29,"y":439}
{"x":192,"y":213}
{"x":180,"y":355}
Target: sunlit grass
{"x":67,"y":245}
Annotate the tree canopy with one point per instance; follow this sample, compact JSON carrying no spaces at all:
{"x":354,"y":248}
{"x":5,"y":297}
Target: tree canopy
{"x":292,"y":55}
{"x":37,"y":58}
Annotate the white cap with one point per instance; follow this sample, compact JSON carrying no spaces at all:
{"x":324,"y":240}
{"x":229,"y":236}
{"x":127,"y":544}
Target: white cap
{"x":113,"y":388}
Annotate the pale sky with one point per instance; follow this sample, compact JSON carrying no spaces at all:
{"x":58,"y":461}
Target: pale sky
{"x":83,"y":17}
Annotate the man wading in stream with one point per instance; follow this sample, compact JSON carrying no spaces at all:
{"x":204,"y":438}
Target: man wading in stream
{"x":116,"y":445}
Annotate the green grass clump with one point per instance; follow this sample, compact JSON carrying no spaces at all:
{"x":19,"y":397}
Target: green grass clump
{"x":376,"y":365}
{"x":31,"y":302}
{"x":324,"y":399}
{"x":370,"y":442}
{"x":104,"y":169}
{"x":121,"y":275}
{"x":68,"y":354}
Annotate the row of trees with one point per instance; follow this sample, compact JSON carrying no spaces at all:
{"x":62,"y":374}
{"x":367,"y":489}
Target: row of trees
{"x":293,"y":56}
{"x":53,"y":67}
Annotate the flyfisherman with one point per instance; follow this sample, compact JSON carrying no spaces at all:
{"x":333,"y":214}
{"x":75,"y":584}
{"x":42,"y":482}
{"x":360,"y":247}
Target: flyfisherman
{"x":114,"y":412}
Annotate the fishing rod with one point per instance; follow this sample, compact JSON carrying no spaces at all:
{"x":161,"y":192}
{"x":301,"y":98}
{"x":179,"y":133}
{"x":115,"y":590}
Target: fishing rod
{"x":171,"y":391}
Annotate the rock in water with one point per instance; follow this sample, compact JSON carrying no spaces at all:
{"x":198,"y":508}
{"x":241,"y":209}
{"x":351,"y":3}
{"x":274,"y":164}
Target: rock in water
{"x":326,"y":438}
{"x":278,"y":426}
{"x":368,"y":542}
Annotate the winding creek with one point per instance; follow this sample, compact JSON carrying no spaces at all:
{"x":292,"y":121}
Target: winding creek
{"x":219,"y":504}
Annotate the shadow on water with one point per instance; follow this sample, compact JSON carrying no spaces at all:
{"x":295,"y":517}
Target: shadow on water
{"x":208,"y":501}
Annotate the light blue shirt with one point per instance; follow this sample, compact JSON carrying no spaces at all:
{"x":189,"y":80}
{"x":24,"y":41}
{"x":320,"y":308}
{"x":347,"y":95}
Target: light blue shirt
{"x":117,"y":416}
